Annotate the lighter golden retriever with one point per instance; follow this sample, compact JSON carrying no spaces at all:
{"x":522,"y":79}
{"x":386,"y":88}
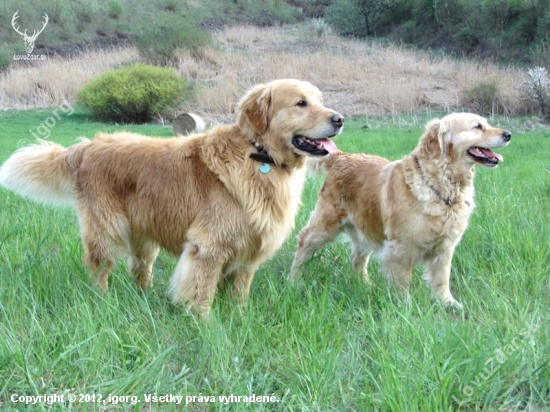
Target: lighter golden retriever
{"x":223,"y":201}
{"x":409,"y":211}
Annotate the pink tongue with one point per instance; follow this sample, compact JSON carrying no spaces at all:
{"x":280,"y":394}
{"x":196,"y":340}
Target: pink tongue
{"x":489,"y":154}
{"x":329,"y":146}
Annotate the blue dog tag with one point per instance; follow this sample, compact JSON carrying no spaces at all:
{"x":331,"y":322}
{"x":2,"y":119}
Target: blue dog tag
{"x":265,"y":168}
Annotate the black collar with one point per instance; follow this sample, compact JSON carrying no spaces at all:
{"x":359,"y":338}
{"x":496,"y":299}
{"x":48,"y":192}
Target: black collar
{"x":262,"y":155}
{"x":445,"y":200}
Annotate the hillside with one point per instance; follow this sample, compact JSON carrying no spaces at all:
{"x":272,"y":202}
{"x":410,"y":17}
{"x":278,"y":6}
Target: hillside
{"x":506,"y":31}
{"x":359,"y":76}
{"x":75,"y":26}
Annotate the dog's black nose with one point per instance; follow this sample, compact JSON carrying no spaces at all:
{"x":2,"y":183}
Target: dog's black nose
{"x":507,"y":135}
{"x":337,"y":120}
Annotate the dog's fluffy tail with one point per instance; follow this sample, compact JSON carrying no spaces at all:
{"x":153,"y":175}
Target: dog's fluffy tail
{"x":43,"y":172}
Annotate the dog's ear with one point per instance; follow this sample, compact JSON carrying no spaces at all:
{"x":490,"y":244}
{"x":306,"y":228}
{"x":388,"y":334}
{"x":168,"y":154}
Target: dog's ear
{"x":254,"y":109}
{"x":433,"y":140}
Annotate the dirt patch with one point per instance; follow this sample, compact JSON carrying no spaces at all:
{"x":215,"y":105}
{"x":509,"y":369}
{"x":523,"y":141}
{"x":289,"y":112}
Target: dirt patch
{"x":101,"y":42}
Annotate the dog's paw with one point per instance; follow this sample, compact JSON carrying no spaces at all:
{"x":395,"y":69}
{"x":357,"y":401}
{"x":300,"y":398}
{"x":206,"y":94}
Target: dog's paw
{"x":455,"y":305}
{"x":455,"y":308}
{"x":294,"y":276}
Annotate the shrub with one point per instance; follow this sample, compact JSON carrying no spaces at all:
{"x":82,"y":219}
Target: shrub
{"x":115,"y":9}
{"x":88,"y":11}
{"x":540,"y":53}
{"x":409,"y":31}
{"x":343,"y":16}
{"x":172,"y":5}
{"x":320,"y":27}
{"x":467,"y":39}
{"x":484,"y":98}
{"x":160,"y":44}
{"x":536,"y":90}
{"x":133,"y":94}
{"x":5,"y":59}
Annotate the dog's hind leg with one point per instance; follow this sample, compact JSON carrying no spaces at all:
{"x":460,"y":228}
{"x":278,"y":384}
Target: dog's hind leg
{"x":97,"y":254}
{"x":140,"y":263}
{"x":242,"y":279}
{"x":438,"y":275}
{"x":196,"y":277}
{"x":103,"y":235}
{"x":324,"y":226}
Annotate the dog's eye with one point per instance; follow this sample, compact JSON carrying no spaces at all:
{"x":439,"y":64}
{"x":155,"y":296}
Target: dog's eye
{"x":478,"y":126}
{"x":301,"y":103}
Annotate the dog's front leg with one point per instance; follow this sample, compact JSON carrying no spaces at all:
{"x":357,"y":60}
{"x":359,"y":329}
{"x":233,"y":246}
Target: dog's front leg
{"x":438,"y":274}
{"x":397,"y":264}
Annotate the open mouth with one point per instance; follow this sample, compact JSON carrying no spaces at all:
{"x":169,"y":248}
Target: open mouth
{"x":484,"y":156}
{"x":315,"y":147}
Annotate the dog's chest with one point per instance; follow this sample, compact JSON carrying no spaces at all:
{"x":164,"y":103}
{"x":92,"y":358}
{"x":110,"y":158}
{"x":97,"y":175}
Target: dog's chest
{"x":283,"y":201}
{"x":270,"y":204}
{"x":442,"y":223}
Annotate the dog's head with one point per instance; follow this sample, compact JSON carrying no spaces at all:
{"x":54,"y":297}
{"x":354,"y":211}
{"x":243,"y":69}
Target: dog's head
{"x":288,"y":118}
{"x":464,"y":137}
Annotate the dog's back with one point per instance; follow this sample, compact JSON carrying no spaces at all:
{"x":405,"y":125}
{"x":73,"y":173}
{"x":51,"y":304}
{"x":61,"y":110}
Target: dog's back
{"x":353,"y":186}
{"x":349,"y":201}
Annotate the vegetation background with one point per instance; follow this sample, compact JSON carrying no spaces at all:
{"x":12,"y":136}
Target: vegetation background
{"x":505,"y":30}
{"x":330,"y":343}
{"x":411,"y":61}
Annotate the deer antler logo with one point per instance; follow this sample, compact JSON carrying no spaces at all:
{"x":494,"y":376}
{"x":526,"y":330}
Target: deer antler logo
{"x":29,"y":40}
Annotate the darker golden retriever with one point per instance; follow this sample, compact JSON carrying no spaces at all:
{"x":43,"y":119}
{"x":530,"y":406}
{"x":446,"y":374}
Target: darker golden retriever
{"x":409,"y":211}
{"x":223,"y":201}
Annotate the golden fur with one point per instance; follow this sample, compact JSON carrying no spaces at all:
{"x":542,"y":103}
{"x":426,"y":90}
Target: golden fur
{"x":202,"y":198}
{"x":409,"y":211}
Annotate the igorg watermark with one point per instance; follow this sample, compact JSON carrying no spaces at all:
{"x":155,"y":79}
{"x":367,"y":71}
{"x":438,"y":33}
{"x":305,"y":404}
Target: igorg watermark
{"x":44,"y":129}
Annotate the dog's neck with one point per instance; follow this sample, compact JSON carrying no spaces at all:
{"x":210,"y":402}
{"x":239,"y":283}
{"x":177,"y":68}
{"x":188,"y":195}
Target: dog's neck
{"x":447,"y":200}
{"x":270,"y":154}
{"x":261,"y":155}
{"x":448,"y":197}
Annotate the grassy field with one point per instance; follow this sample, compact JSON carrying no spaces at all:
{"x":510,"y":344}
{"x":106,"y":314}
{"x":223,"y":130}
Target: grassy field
{"x":330,"y":343}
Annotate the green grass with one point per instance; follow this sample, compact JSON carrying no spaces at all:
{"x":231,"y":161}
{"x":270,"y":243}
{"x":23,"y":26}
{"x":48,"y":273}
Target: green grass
{"x":331,"y":343}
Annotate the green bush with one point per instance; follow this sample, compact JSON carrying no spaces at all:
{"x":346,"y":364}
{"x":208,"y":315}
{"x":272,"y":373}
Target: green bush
{"x":5,"y":59}
{"x":133,"y":94}
{"x":172,"y":6}
{"x":539,"y":53}
{"x":160,"y":44}
{"x":484,"y":98}
{"x":89,"y":11}
{"x":467,"y":39}
{"x":409,"y":31}
{"x":344,"y":17}
{"x":115,"y":9}
{"x":273,"y":12}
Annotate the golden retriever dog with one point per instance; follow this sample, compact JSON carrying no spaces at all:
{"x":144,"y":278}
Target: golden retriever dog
{"x":409,"y":211}
{"x":223,"y":201}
